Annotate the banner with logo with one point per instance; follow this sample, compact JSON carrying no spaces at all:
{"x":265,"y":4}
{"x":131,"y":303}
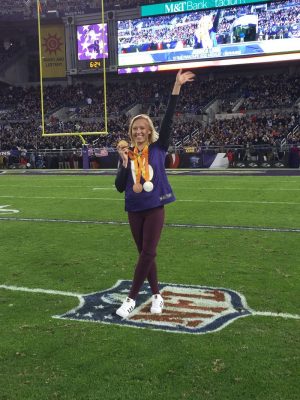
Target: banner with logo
{"x":191,"y":5}
{"x":53,"y":51}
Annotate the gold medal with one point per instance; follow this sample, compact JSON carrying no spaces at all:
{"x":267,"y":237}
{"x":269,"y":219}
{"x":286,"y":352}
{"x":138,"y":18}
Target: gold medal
{"x":122,"y":145}
{"x":137,"y":188}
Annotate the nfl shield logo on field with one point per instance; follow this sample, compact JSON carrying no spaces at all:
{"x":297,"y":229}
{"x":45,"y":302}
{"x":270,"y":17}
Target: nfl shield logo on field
{"x":187,"y":309}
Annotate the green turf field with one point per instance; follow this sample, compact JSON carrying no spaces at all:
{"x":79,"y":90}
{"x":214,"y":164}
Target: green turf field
{"x":257,"y":357}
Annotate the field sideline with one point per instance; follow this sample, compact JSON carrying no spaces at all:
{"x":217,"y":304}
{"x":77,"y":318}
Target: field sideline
{"x":69,"y":233}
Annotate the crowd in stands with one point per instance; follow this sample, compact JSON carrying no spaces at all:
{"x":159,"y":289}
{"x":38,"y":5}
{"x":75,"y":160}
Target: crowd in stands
{"x":158,"y":29}
{"x":86,"y":100}
{"x":271,"y":92}
{"x":273,"y":24}
{"x":193,"y":102}
{"x":268,"y":128}
{"x":257,"y":134}
{"x":13,"y":8}
{"x":267,"y":104}
{"x":262,"y":92}
{"x":20,"y":115}
{"x":281,"y":22}
{"x":18,"y":9}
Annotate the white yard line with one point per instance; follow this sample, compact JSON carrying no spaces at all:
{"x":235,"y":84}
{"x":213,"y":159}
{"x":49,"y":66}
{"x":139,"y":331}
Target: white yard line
{"x":238,"y":188}
{"x":238,"y":201}
{"x":38,"y":290}
{"x":62,"y":198}
{"x":181,"y":187}
{"x":170,"y":225}
{"x":103,"y":188}
{"x":59,"y":187}
{"x":272,"y":314}
{"x":122,"y":199}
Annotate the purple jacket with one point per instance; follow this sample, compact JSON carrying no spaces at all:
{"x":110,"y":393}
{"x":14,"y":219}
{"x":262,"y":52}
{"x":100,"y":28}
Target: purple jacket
{"x":162,"y":192}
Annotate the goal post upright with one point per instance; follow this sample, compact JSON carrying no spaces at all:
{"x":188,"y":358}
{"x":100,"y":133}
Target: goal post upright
{"x":105,"y":114}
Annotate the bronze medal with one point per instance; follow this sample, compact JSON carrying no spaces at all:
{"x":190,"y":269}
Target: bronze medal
{"x":137,"y":188}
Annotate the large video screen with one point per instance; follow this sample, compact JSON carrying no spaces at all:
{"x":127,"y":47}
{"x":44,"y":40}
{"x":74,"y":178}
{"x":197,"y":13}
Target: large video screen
{"x":92,"y":42}
{"x":220,"y":36}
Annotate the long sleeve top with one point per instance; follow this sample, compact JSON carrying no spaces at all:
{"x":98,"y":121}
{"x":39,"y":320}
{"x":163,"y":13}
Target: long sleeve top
{"x":162,"y":192}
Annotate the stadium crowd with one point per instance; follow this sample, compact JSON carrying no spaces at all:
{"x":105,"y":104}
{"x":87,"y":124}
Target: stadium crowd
{"x":274,"y":24}
{"x":267,"y":106}
{"x":269,"y":92}
{"x":261,"y":92}
{"x":265,"y":131}
{"x":279,"y":24}
{"x":18,"y":9}
{"x":267,"y":128}
{"x":20,"y":122}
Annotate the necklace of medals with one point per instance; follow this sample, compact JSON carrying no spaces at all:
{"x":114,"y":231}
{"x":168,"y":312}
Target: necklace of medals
{"x":139,"y":158}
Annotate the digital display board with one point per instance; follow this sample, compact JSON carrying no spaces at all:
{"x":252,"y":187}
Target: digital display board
{"x":92,"y":43}
{"x":248,"y":33}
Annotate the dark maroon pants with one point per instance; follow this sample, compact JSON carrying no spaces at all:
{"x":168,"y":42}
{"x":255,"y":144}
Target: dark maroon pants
{"x":146,"y":228}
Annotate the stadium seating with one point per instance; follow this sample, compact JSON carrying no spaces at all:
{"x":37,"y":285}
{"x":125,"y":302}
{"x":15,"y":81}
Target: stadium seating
{"x":256,"y":109}
{"x":20,"y":121}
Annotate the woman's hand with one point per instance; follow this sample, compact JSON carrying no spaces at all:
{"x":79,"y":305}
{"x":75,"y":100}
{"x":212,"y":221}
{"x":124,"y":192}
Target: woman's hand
{"x":183,"y":77}
{"x":123,"y":149}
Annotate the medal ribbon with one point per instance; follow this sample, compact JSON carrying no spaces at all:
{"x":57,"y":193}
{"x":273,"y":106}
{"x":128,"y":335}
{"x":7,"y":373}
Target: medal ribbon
{"x":138,"y":163}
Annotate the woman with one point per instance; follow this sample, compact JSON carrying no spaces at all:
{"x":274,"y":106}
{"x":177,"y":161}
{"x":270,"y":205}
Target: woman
{"x":143,"y":177}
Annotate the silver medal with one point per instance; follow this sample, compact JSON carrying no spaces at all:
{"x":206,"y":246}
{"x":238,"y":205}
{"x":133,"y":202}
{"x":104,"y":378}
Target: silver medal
{"x":148,"y":186}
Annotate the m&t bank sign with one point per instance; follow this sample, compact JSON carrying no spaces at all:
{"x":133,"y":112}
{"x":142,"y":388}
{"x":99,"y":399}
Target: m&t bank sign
{"x":191,"y":5}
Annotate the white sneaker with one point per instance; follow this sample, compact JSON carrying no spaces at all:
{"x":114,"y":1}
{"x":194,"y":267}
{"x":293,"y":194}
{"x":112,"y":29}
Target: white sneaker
{"x":157,"y":304}
{"x":126,"y":308}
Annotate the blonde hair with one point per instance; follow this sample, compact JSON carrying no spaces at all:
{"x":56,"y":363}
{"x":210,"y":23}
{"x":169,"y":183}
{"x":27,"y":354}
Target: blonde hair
{"x":153,"y":135}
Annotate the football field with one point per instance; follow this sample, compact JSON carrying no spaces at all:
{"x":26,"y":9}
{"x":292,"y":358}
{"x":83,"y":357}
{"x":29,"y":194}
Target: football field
{"x":65,"y":236}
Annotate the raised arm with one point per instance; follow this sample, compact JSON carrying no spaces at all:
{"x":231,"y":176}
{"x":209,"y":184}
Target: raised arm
{"x":165,"y":129}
